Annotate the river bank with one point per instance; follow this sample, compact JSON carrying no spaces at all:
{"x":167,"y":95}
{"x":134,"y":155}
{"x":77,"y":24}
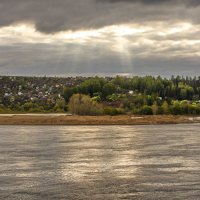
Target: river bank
{"x":64,"y":119}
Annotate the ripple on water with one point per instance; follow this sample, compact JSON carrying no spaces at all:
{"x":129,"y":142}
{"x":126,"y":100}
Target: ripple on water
{"x":100,"y":162}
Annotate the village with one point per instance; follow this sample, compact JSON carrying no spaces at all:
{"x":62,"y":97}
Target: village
{"x":21,"y":92}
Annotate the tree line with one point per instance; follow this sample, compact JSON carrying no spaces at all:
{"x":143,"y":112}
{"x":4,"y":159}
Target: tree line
{"x":137,"y":95}
{"x":97,"y":95}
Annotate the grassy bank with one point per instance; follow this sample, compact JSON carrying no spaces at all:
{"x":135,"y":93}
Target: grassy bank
{"x":51,"y":119}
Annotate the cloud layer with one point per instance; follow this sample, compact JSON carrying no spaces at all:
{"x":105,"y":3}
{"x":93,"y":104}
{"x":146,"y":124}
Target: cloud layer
{"x":162,"y":49}
{"x":63,"y":37}
{"x":53,"y":16}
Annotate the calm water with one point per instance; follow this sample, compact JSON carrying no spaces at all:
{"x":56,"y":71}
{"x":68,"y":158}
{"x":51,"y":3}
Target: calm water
{"x":100,"y":162}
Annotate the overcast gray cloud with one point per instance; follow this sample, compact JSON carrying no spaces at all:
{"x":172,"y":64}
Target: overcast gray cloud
{"x":64,"y":37}
{"x":53,"y":16}
{"x":140,"y":1}
{"x":187,"y":2}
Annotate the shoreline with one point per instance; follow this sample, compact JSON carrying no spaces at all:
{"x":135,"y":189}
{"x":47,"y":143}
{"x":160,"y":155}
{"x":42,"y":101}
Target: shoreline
{"x":66,"y":119}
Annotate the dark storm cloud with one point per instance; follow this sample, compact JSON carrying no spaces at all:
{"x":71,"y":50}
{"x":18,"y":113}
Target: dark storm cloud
{"x":53,"y":16}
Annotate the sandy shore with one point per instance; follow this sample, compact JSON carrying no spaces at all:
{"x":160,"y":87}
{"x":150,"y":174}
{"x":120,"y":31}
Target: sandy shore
{"x":64,"y":119}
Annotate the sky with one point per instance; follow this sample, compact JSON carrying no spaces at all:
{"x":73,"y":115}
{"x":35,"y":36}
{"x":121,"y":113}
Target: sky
{"x":100,"y":37}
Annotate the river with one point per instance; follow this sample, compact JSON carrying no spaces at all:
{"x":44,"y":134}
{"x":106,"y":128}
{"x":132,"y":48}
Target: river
{"x":100,"y":162}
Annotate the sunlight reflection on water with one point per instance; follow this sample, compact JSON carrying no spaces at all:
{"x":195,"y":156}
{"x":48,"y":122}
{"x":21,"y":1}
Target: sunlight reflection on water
{"x":100,"y":162}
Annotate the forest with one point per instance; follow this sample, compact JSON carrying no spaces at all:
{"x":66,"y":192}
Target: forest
{"x":146,"y":95}
{"x":137,"y":95}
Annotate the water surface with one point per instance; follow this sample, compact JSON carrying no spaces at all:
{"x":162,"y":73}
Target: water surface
{"x":100,"y":162}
